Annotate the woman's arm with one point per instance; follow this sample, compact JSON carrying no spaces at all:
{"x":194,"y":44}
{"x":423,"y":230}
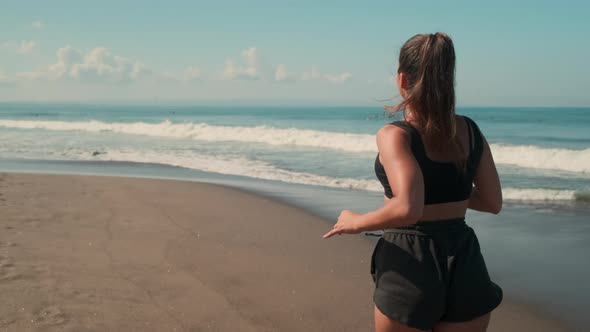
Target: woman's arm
{"x":405,"y":178}
{"x":486,"y":195}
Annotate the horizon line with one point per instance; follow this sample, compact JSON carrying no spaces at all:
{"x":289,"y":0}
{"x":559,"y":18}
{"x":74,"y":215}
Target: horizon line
{"x":251,"y":103}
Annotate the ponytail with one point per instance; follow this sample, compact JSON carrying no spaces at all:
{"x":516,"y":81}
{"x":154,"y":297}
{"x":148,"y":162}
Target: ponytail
{"x":428,"y":63}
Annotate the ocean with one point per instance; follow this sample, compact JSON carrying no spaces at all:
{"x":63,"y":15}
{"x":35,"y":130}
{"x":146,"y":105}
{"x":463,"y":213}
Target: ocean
{"x":321,"y":159}
{"x":543,"y":154}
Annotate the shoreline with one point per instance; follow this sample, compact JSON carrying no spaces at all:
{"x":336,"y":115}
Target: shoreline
{"x":165,"y":171}
{"x":83,"y":252}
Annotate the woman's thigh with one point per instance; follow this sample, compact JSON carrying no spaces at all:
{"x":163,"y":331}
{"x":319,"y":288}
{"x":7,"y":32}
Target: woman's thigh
{"x":479,"y":324}
{"x":385,"y":324}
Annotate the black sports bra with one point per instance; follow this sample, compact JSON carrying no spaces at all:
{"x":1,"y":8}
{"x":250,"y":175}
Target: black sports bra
{"x":443,"y":181}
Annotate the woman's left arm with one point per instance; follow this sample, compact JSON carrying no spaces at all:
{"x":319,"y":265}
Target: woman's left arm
{"x":407,"y":184}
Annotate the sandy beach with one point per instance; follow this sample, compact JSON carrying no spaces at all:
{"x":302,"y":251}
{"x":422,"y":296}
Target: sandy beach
{"x":82,"y":253}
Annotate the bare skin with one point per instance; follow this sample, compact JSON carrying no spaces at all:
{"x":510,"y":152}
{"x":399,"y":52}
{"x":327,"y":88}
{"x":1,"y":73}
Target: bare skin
{"x":404,"y":175}
{"x":487,"y":196}
{"x":407,"y":205}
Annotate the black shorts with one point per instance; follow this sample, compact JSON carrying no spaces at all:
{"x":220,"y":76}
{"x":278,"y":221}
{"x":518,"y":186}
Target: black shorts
{"x":431,"y":272}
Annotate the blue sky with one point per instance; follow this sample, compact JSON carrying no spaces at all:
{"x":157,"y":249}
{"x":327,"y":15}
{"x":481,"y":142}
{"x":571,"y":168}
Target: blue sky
{"x":530,"y":53}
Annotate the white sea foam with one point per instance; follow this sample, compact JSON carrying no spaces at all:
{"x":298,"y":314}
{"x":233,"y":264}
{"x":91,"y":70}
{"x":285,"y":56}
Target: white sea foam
{"x":542,"y":158}
{"x":205,"y":132}
{"x":242,"y":166}
{"x":262,"y":170}
{"x":535,"y":157}
{"x":537,"y":194}
{"x":237,"y":166}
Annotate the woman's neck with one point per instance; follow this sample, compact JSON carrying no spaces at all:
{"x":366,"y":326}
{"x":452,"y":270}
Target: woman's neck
{"x":409,"y":115}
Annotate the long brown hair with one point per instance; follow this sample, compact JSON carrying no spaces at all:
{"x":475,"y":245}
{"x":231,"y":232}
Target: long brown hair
{"x":428,"y":63}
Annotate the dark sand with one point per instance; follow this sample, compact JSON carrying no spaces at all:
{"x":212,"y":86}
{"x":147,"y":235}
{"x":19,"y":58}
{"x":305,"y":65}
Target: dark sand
{"x":81,"y":253}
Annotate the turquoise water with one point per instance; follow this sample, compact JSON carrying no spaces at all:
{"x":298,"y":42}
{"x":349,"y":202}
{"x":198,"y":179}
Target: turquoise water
{"x":543,"y":154}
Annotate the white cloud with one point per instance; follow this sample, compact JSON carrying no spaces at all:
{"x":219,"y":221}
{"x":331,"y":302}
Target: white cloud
{"x":5,"y":79}
{"x":30,"y":76}
{"x":167,"y":76}
{"x":314,"y":75}
{"x":66,"y":58}
{"x":189,"y":74}
{"x":252,"y":57}
{"x":251,"y":70}
{"x":192,"y":74}
{"x":26,"y":47}
{"x":282,"y":74}
{"x":38,"y":25}
{"x":69,"y":56}
{"x":339,"y":78}
{"x":98,"y":65}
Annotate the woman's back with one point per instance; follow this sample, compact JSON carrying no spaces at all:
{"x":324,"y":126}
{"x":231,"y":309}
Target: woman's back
{"x":448,"y":177}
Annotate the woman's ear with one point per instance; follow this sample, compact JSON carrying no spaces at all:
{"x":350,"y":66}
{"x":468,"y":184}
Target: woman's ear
{"x":402,"y":81}
{"x":402,"y":84}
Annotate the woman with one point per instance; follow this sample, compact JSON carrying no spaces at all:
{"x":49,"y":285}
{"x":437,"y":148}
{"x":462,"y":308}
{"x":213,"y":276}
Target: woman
{"x":428,"y":270}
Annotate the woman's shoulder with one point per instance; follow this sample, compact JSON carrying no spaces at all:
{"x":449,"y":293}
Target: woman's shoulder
{"x":400,"y":125}
{"x":394,"y":128}
{"x":393,"y":134}
{"x":465,"y":118}
{"x":470,"y":123}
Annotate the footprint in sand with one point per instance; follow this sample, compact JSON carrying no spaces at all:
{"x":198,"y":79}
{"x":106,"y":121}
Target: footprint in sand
{"x":5,"y":262}
{"x":50,"y":315}
{"x":5,"y":321}
{"x":7,"y":244}
{"x":7,"y":270}
{"x":32,"y":222}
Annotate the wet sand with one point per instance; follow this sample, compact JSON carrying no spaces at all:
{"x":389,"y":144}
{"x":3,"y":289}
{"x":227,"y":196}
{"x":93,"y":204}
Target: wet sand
{"x":82,"y":253}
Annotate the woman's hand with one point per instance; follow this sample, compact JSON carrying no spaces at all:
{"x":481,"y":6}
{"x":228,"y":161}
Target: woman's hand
{"x":347,"y":224}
